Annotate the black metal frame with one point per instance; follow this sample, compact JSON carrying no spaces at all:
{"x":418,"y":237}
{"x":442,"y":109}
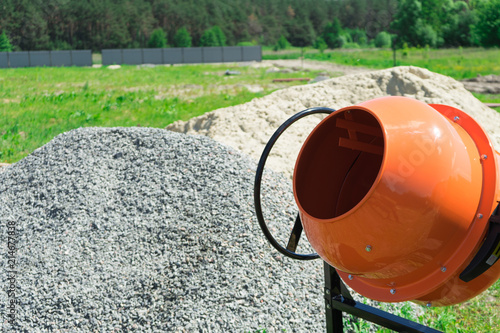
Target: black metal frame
{"x":339,"y":300}
{"x":291,"y":247}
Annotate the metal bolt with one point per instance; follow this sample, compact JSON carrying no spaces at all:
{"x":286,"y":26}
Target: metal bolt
{"x":457,"y":118}
{"x":327,"y":291}
{"x":393,"y":291}
{"x":484,"y":157}
{"x":368,"y":248}
{"x":350,"y":277}
{"x":479,"y":216}
{"x":429,"y":304}
{"x":328,"y":306}
{"x":443,"y":269}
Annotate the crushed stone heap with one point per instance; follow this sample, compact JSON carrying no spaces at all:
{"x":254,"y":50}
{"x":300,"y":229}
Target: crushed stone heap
{"x":249,"y":126}
{"x":147,"y":230}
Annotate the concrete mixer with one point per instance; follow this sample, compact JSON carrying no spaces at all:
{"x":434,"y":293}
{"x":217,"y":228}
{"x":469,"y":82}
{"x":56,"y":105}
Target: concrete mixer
{"x":401,"y":200}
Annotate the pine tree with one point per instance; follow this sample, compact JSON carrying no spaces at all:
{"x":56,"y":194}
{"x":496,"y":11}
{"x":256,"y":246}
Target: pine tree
{"x":158,"y":39}
{"x":208,"y":38}
{"x":5,"y":45}
{"x":182,"y":38}
{"x":331,"y":34}
{"x":220,"y":37}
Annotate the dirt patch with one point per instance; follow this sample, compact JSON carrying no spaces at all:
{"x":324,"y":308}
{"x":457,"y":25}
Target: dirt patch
{"x":488,"y":84}
{"x":194,"y":91}
{"x":331,"y":68}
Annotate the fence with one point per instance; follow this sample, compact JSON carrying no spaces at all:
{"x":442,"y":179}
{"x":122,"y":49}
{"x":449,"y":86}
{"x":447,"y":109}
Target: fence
{"x":45,"y":58}
{"x":188,"y":55}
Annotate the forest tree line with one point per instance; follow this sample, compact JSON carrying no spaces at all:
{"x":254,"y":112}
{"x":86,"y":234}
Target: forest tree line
{"x":99,"y":24}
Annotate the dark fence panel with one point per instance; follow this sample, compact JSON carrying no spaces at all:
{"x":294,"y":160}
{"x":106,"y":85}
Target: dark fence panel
{"x":232,"y":54}
{"x":80,"y":58}
{"x":62,"y":58}
{"x":112,"y":57}
{"x":190,"y":55}
{"x":173,"y":56}
{"x":39,"y":58}
{"x":19,"y":59}
{"x":4,"y":60}
{"x":212,"y":54}
{"x":252,"y":53}
{"x":187,"y":55}
{"x":46,"y":58}
{"x":132,"y":56}
{"x":152,"y":56}
{"x":193,"y":55}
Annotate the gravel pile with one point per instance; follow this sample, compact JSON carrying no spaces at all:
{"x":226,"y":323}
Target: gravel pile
{"x":146,"y":230}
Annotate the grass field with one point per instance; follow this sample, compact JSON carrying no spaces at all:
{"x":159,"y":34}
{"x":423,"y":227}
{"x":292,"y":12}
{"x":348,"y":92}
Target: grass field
{"x":457,"y":63}
{"x":36,"y":104}
{"x":479,"y":315}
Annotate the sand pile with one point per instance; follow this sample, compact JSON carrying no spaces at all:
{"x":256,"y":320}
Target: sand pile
{"x":248,"y":127}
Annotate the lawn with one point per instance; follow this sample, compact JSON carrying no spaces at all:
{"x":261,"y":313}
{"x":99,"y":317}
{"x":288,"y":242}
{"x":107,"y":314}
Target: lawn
{"x":458,"y":63}
{"x":36,"y":104}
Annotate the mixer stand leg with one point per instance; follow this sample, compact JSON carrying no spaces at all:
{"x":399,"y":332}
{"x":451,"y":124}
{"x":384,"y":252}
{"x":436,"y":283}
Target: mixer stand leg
{"x":339,"y":300}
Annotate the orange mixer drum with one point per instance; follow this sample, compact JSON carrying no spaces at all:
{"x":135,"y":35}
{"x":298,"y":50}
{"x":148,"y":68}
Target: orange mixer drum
{"x":396,"y":195}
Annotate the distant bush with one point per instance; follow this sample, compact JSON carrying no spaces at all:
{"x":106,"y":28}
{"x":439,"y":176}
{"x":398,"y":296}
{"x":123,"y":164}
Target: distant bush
{"x":158,"y":39}
{"x":383,"y":39}
{"x":60,"y":45}
{"x":281,"y":44}
{"x":213,"y":37}
{"x":487,"y":28}
{"x":427,"y":35}
{"x":220,"y":37}
{"x":208,"y":38}
{"x":5,"y":45}
{"x":342,"y":40}
{"x":331,"y":34}
{"x":351,"y":45}
{"x":357,"y":36}
{"x":182,"y":38}
{"x":320,"y":44}
{"x":246,"y":44}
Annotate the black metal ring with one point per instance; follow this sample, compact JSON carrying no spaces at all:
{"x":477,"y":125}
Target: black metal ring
{"x":258,"y":180}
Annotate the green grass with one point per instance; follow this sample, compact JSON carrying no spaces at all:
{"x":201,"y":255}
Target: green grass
{"x":478,"y":315}
{"x":457,"y":63}
{"x":37,"y":104}
{"x":488,"y":98}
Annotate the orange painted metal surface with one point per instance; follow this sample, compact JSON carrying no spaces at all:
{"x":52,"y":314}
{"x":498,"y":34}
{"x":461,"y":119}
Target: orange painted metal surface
{"x":390,"y":193}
